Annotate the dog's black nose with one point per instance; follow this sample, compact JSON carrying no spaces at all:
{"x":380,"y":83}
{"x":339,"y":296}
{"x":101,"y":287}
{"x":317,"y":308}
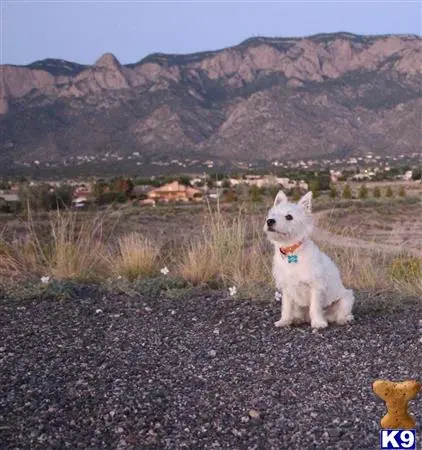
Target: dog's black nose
{"x":270,"y":222}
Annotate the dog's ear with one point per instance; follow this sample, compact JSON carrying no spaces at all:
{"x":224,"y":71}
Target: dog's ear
{"x":306,"y":202}
{"x":280,"y":198}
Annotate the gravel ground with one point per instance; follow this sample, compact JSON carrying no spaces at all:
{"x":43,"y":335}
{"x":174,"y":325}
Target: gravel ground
{"x":108,"y":371}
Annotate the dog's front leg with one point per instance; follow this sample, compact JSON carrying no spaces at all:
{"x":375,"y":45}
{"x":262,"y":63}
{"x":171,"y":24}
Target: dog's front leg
{"x":286,"y":311}
{"x":315,"y":310}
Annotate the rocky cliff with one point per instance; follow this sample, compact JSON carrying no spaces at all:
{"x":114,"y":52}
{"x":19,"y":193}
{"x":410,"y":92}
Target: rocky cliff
{"x":328,"y":94}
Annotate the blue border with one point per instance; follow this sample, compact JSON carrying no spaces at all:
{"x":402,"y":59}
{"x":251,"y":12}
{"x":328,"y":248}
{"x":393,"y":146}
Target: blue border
{"x":400,"y":430}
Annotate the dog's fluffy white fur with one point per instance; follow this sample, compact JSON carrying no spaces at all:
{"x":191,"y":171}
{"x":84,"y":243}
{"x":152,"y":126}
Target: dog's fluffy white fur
{"x":312,"y":290}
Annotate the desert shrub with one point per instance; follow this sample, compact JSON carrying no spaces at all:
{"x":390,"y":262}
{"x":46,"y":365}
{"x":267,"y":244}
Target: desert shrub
{"x":333,"y":191}
{"x":363,"y":192}
{"x":416,"y":173}
{"x":136,"y":256}
{"x":296,"y":194}
{"x":389,"y":192}
{"x":406,"y":269}
{"x":255,"y":194}
{"x":347,"y":192}
{"x":314,"y":186}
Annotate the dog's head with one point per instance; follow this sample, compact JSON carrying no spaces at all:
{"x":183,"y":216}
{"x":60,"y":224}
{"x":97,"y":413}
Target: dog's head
{"x":287,"y":223}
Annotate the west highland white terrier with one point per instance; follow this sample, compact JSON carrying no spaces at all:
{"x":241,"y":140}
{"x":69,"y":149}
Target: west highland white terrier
{"x":312,"y":290}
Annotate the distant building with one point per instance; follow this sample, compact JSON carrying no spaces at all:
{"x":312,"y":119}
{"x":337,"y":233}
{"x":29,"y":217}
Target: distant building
{"x":175,"y":192}
{"x":9,"y":196}
{"x":9,"y":200}
{"x":408,"y":175}
{"x":79,"y":202}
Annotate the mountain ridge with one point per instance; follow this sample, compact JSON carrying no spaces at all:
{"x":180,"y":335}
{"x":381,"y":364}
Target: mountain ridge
{"x":264,"y":98}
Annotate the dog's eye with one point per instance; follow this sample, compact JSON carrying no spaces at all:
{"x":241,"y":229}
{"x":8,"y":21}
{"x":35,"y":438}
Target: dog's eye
{"x":289,"y":217}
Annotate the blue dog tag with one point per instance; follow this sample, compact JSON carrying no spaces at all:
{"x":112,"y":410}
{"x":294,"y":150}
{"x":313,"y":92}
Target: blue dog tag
{"x":292,"y":258}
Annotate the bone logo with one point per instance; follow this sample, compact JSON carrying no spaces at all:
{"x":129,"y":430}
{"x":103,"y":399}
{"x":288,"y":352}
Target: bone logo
{"x":398,"y":425}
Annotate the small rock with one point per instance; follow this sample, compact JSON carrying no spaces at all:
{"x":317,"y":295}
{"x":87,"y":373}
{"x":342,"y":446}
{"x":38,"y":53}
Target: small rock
{"x":254,"y":414}
{"x":212,"y":353}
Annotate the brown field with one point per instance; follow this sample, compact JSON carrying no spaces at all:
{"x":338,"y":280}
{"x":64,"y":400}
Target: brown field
{"x":376,"y":243}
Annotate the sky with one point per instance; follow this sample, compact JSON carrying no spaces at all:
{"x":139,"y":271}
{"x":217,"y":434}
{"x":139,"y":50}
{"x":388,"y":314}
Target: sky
{"x":81,"y":31}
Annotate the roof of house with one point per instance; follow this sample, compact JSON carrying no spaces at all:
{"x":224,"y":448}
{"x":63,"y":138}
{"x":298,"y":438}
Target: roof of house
{"x":141,"y":189}
{"x":175,"y":186}
{"x":9,"y":196}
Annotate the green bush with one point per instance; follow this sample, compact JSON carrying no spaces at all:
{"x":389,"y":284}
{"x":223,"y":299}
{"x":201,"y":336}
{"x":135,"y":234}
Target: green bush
{"x":416,"y":174}
{"x":363,"y":192}
{"x":296,"y":194}
{"x":255,"y":194}
{"x":109,"y":197}
{"x":406,"y":268}
{"x":333,"y":192}
{"x":314,"y":186}
{"x":347,"y":192}
{"x":377,"y":192}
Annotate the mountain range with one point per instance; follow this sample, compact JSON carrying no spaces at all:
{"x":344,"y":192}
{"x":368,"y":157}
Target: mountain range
{"x":327,"y":95}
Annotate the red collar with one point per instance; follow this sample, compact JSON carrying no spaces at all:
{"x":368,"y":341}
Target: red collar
{"x":290,"y":249}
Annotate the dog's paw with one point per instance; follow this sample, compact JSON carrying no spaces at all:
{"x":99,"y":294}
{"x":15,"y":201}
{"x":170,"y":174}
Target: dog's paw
{"x":345,"y":319}
{"x":283,"y":323}
{"x":319,"y":323}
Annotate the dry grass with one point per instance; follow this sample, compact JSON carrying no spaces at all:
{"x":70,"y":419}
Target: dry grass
{"x":77,"y":250}
{"x":16,"y":259}
{"x":67,"y":249}
{"x":136,"y":256}
{"x":377,"y":270}
{"x":230,"y":250}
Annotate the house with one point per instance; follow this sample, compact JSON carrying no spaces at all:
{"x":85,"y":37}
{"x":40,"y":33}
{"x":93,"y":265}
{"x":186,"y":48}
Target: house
{"x":335,"y":175}
{"x":9,"y":201}
{"x":147,"y":202}
{"x":408,"y":175}
{"x":139,"y":195}
{"x":360,"y":177}
{"x":9,"y":196}
{"x":140,"y":192}
{"x":79,"y":202}
{"x":82,"y":190}
{"x":175,"y":192}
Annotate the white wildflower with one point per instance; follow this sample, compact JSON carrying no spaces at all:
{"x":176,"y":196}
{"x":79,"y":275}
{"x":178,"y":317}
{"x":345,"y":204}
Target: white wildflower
{"x":232,"y":291}
{"x":45,"y":280}
{"x":165,"y":271}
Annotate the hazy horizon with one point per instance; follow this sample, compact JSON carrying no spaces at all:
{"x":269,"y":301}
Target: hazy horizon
{"x":83,"y":31}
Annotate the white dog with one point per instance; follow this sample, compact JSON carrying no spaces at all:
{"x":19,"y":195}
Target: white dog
{"x":309,"y":280}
